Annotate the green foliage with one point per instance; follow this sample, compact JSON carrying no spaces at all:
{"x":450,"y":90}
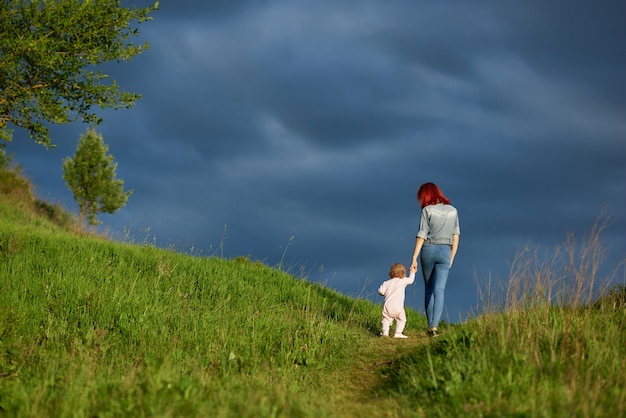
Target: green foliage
{"x":557,"y":363}
{"x":96,"y":328}
{"x":90,"y":327}
{"x":18,"y":204}
{"x":536,"y":355}
{"x":55,"y":213}
{"x":5,"y":160}
{"x":614,"y":298}
{"x":49,"y":50}
{"x":12,"y":183}
{"x":91,"y":177}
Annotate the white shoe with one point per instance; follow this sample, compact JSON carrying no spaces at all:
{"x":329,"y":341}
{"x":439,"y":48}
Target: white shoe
{"x":382,"y":334}
{"x":400,"y":336}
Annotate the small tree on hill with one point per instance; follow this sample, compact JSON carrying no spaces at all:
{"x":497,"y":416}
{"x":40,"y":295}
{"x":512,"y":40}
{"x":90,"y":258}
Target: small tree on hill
{"x":90,"y":175}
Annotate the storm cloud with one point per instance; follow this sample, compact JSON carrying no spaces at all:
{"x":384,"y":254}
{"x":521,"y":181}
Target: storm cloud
{"x":297,"y":133}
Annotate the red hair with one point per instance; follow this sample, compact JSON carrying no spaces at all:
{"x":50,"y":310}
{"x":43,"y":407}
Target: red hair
{"x":430,"y":194}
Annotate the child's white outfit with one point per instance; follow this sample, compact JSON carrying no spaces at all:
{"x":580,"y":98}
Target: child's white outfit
{"x":393,"y":307}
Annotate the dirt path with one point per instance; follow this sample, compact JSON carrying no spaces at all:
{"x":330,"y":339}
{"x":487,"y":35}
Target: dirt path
{"x":360,"y":380}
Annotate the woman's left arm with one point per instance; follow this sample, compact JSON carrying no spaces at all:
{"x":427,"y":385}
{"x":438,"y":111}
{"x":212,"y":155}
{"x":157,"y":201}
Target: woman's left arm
{"x":454,"y":247}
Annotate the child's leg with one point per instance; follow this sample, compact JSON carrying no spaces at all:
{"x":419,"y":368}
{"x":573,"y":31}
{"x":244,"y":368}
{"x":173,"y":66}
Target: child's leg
{"x":400,"y":322}
{"x":386,"y":323}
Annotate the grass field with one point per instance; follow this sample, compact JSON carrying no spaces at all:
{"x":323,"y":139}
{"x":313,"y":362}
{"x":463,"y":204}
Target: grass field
{"x":90,"y":327}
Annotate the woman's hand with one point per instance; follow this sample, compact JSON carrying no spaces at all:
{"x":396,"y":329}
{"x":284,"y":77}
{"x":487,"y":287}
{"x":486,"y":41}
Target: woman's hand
{"x":453,"y":248}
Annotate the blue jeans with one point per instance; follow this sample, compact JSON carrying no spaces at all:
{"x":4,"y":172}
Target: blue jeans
{"x":435,"y":268}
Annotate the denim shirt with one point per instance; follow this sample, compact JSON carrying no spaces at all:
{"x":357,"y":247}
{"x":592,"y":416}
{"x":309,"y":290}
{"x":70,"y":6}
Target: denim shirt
{"x":438,"y":223}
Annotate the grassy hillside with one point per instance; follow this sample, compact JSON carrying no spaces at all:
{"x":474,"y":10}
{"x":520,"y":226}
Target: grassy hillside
{"x":90,"y":327}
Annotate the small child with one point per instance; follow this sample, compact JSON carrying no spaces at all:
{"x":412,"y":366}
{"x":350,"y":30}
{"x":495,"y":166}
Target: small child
{"x":393,"y":291}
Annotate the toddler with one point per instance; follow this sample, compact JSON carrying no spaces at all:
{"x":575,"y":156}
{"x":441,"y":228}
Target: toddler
{"x":393,"y":291}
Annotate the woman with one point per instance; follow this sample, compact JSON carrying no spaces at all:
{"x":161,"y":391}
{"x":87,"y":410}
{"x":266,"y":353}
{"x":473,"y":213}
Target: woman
{"x":436,"y":243}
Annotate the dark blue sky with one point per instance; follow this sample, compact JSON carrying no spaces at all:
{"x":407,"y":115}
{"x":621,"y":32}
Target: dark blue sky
{"x":300,"y":131}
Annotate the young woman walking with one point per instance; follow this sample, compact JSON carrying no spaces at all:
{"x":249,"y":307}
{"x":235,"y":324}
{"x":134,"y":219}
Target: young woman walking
{"x":436,"y":244}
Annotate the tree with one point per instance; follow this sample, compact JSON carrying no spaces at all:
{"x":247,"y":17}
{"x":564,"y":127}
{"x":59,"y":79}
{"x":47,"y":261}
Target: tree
{"x":90,"y":175}
{"x":49,"y":53}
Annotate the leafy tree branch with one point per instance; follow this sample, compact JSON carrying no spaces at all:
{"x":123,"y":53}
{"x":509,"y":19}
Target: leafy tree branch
{"x":49,"y":54}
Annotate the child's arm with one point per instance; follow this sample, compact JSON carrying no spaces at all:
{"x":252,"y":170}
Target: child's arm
{"x":411,"y":277}
{"x":382,"y":289}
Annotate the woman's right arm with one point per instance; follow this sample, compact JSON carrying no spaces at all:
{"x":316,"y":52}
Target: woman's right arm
{"x":419,"y":242}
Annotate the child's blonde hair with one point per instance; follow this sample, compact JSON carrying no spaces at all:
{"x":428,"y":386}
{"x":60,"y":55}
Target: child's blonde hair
{"x":397,"y":270}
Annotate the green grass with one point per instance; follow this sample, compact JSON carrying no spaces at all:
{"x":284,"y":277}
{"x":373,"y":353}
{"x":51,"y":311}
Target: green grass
{"x":92,"y":327}
{"x":532,"y":363}
{"x":544,"y":347}
{"x":96,"y":326}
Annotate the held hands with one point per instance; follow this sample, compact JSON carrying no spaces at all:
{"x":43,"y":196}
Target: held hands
{"x":414,"y":267}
